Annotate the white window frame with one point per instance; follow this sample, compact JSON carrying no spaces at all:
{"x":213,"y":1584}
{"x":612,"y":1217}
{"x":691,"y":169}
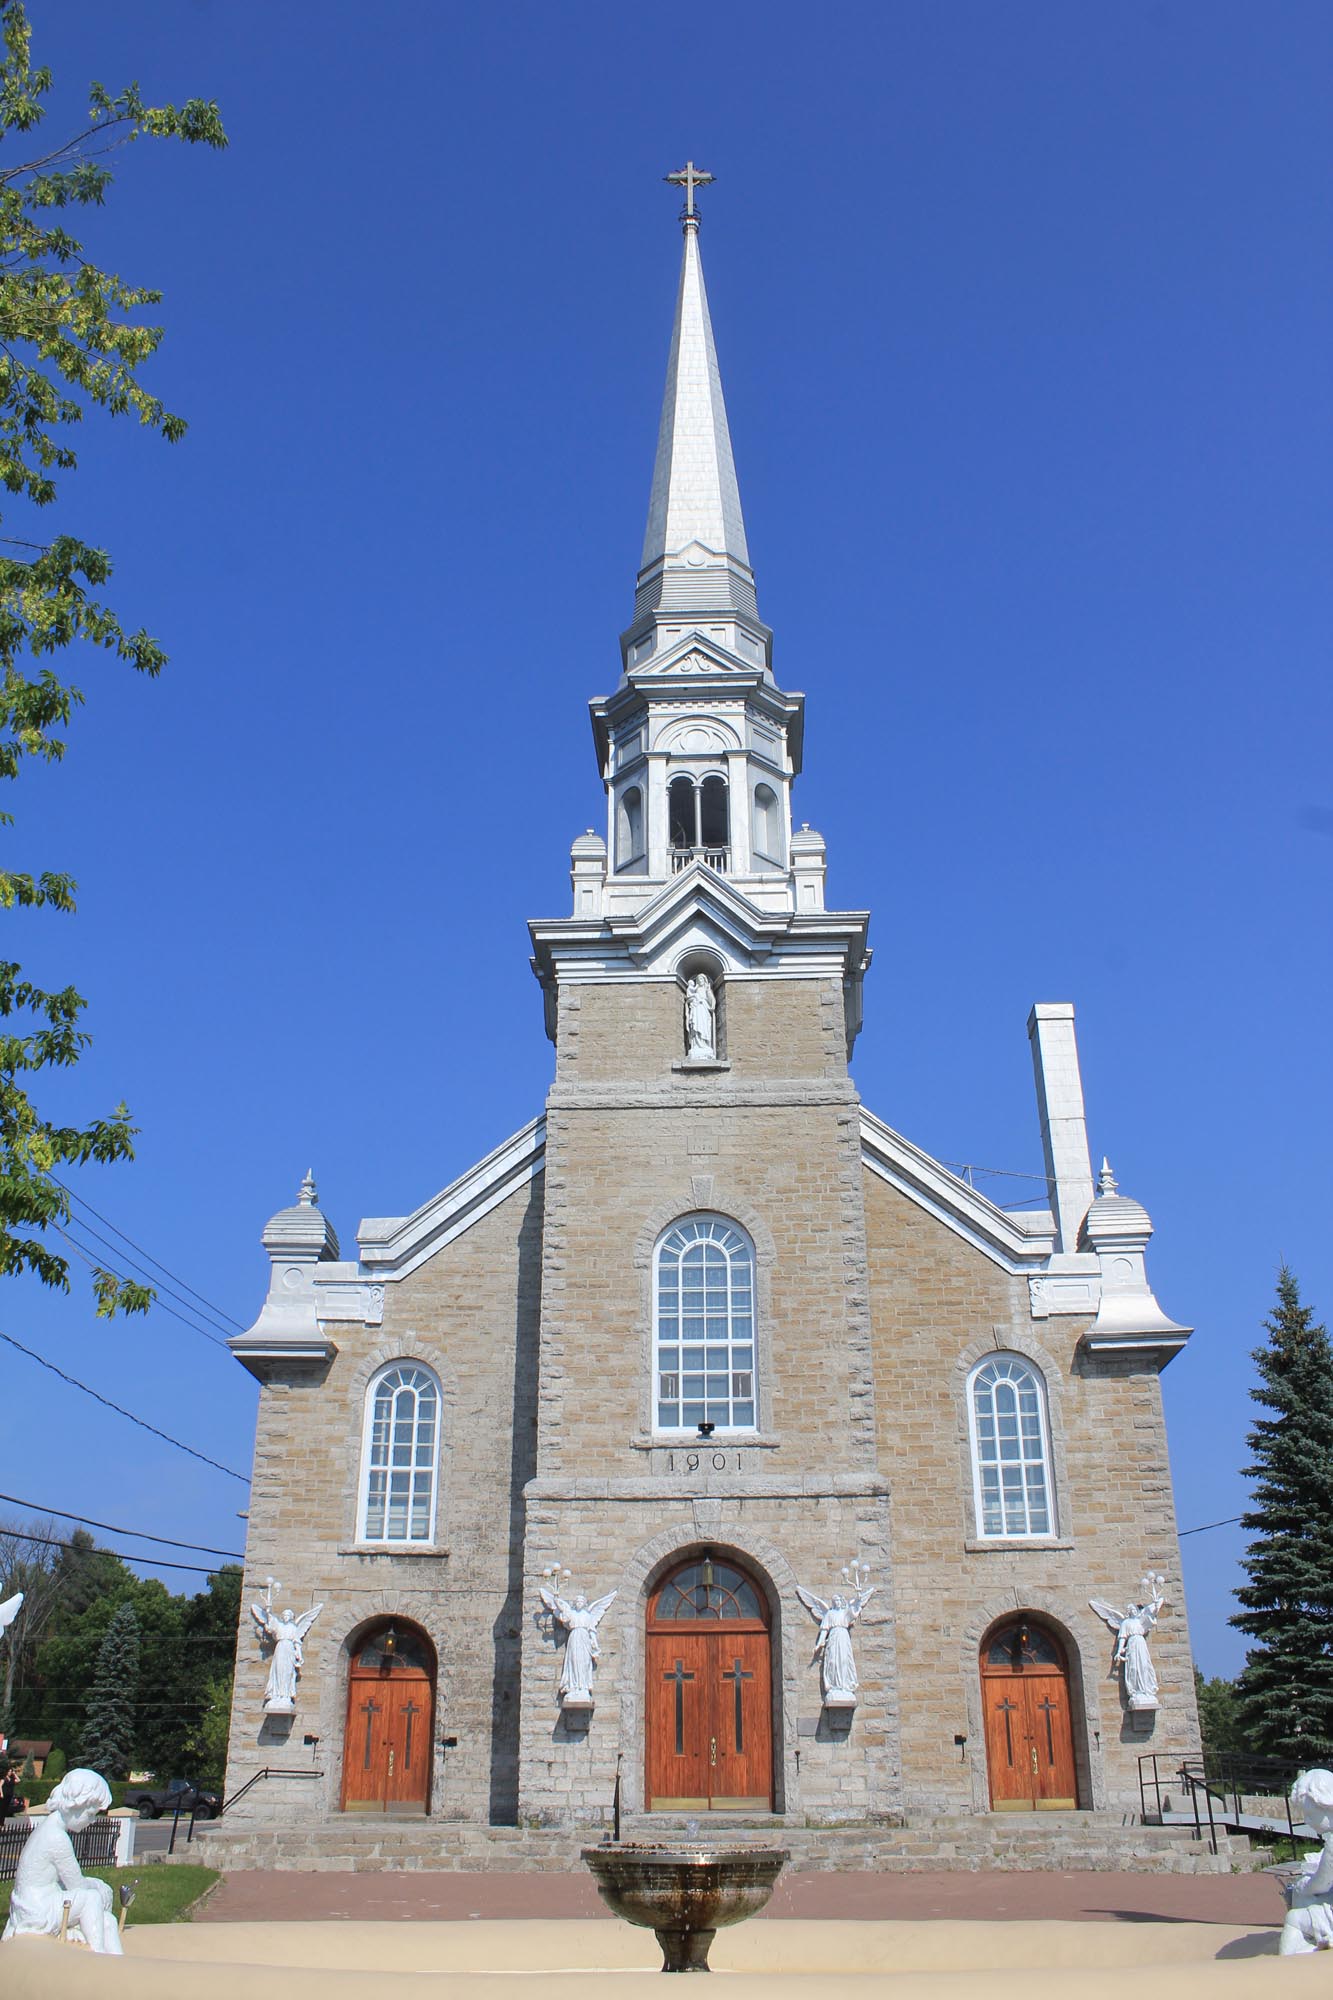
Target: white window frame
{"x":684,"y":1430}
{"x":407,"y":1365}
{"x":1005,"y":1533}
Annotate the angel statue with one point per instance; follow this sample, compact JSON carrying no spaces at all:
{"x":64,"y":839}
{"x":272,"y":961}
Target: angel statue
{"x":833,"y":1647}
{"x":284,"y":1634}
{"x":10,"y":1610}
{"x":1309,"y":1922}
{"x":1132,"y":1628}
{"x":582,"y":1652}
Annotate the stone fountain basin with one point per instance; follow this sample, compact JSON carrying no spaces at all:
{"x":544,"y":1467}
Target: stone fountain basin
{"x":771,"y":1959}
{"x":684,"y":1893}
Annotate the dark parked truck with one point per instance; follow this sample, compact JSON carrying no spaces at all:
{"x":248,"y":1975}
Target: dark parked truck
{"x":180,"y":1794}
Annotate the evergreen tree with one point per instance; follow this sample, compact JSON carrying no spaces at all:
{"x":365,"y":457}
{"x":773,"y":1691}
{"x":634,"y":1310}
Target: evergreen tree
{"x":108,"y":1733}
{"x":1284,"y":1703}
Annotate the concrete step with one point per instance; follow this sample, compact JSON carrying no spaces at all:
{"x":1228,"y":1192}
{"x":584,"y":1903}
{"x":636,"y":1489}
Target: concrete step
{"x":1082,"y":1841}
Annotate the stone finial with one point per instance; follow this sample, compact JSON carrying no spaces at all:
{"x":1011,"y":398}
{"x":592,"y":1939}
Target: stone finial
{"x":1106,"y":1180}
{"x":308,"y":1196}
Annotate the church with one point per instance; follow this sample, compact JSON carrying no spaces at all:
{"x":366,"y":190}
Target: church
{"x":708,"y":1446}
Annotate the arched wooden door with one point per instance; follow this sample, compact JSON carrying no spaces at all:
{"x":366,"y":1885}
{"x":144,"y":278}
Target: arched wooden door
{"x":709,"y":1707}
{"x":1029,"y":1731}
{"x":390,"y":1717}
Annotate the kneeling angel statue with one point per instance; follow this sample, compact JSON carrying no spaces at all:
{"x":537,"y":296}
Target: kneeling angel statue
{"x":1132,"y":1628}
{"x":49,"y":1876}
{"x":1309,"y":1921}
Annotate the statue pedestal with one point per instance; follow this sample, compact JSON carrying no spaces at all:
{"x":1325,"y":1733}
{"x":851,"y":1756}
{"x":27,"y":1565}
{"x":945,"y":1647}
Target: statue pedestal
{"x":838,"y":1698}
{"x":279,"y":1708}
{"x":577,"y":1705}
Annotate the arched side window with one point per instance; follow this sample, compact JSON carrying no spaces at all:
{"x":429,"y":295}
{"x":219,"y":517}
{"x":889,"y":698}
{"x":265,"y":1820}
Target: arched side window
{"x":400,"y":1456}
{"x":629,"y":833}
{"x":703,"y":1349}
{"x":767,"y":836}
{"x":698,"y":820}
{"x":1011,"y":1452}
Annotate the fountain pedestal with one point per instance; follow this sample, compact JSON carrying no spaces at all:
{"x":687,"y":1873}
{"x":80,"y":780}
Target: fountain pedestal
{"x":684,"y":1895}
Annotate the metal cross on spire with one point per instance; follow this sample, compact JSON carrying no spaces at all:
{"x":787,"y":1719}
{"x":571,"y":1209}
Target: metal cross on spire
{"x":689,"y":177}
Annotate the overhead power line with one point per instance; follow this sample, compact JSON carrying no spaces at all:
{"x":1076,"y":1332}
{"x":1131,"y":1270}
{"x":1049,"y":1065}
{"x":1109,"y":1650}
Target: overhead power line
{"x":97,"y":1263}
{"x":1230,"y":1522}
{"x":158,"y":1562}
{"x":106,"y":1402}
{"x":216,"y":1311}
{"x":141,"y":1534}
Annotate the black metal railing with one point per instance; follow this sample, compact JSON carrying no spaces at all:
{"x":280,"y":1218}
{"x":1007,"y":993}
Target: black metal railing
{"x":270,"y":1771}
{"x":1216,"y":1786}
{"x":94,"y":1846}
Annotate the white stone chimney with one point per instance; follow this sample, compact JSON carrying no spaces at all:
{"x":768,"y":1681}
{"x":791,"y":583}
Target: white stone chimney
{"x":1064,"y":1132}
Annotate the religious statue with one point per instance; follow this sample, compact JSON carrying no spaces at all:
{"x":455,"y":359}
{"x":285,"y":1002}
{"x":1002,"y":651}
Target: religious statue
{"x":284,"y":1634}
{"x":1309,"y":1920}
{"x":582,"y":1652}
{"x":833,"y":1647}
{"x":700,"y":1019}
{"x":10,"y":1610}
{"x":1132,"y":1628}
{"x":50,"y":1881}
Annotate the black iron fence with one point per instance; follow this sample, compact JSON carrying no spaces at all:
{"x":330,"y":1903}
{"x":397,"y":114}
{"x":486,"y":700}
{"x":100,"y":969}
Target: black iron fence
{"x":94,"y":1846}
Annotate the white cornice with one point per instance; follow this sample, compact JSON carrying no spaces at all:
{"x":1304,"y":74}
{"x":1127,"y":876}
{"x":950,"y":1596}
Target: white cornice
{"x":1021,"y":1244}
{"x":393,"y":1246}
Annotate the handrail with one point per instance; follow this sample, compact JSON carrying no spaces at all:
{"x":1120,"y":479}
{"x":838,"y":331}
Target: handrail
{"x":269,"y":1771}
{"x":1223,"y":1780}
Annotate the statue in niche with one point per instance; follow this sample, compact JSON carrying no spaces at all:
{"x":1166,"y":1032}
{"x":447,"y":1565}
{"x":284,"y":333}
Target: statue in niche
{"x":284,"y":1634}
{"x":1309,"y":1920}
{"x":1132,"y":1628}
{"x":700,"y":1019}
{"x":582,"y":1652}
{"x":52,"y":1896}
{"x":833,"y":1647}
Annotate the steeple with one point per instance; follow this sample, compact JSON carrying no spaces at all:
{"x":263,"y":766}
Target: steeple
{"x":696,"y":562}
{"x":694,"y":510}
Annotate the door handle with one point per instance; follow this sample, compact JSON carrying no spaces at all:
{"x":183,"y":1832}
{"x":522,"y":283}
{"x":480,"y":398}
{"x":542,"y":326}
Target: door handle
{"x":1034,"y":1760}
{"x":712,"y":1750}
{"x":1033,"y":1748}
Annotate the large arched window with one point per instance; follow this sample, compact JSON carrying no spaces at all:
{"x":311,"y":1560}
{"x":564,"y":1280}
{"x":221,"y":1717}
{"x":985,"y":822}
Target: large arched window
{"x":704,"y":1355}
{"x":629,"y":831}
{"x":400,"y":1455}
{"x":1011,"y":1458}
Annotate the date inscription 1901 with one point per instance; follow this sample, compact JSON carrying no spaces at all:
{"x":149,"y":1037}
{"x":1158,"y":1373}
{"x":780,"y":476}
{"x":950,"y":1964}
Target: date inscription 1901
{"x":703,"y":1461}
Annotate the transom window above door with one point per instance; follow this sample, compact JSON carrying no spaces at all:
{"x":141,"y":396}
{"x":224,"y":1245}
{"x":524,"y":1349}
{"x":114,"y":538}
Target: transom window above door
{"x":704,"y":1354}
{"x":707,"y":1589}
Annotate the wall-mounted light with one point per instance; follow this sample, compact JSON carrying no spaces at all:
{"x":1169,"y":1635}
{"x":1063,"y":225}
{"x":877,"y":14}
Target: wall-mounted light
{"x":706,"y":1429}
{"x":390,"y":1644}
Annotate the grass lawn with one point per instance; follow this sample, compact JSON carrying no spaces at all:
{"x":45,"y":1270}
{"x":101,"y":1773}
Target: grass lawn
{"x":163,"y":1892}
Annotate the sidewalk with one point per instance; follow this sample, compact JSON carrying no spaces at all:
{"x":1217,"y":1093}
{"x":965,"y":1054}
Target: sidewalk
{"x":261,"y":1895}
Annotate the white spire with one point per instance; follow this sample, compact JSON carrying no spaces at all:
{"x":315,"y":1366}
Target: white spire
{"x":694,"y":551}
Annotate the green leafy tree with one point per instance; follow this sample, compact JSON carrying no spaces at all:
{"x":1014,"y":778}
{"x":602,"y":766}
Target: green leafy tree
{"x":1219,"y":1723}
{"x":109,"y":1732}
{"x":71,"y":341}
{"x":56,"y":1765}
{"x":1284,"y":1697}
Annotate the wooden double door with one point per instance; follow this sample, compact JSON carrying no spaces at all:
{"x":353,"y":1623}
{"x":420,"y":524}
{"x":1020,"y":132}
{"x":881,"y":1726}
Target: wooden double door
{"x":390,"y":1710}
{"x":1029,"y":1729}
{"x":709,"y":1706}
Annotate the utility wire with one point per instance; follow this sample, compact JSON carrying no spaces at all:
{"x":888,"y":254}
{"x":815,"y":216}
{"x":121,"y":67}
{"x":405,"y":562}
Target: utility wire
{"x":94,"y":1263}
{"x":74,"y":1383}
{"x":1230,"y":1522}
{"x":158,"y":1562}
{"x":77,"y":1222}
{"x":141,"y":1533}
{"x":216,"y":1311}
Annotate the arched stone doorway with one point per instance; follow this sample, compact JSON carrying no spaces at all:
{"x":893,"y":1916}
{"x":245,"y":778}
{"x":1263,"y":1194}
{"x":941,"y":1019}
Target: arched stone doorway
{"x":390,"y":1718}
{"x":1029,"y":1727}
{"x":709,"y":1699}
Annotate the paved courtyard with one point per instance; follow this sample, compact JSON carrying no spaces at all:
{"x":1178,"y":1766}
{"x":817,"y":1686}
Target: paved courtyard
{"x":249,"y":1896}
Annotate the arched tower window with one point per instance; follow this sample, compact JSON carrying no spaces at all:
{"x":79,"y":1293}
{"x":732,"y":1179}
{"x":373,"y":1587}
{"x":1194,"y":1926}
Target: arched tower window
{"x":704,"y":1353}
{"x":1011,"y":1459}
{"x":698,"y":820}
{"x":629,"y":832}
{"x":767,"y":838}
{"x":400,"y":1455}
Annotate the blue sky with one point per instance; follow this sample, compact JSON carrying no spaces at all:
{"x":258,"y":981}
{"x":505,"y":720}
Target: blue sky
{"x":1023,"y":316}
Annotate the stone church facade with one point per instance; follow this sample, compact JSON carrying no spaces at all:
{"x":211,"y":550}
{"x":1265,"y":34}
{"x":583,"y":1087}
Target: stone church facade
{"x":704,"y":1332}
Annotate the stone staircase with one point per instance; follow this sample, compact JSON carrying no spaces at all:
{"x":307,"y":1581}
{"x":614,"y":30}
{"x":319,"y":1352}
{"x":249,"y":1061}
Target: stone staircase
{"x":1075,"y":1841}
